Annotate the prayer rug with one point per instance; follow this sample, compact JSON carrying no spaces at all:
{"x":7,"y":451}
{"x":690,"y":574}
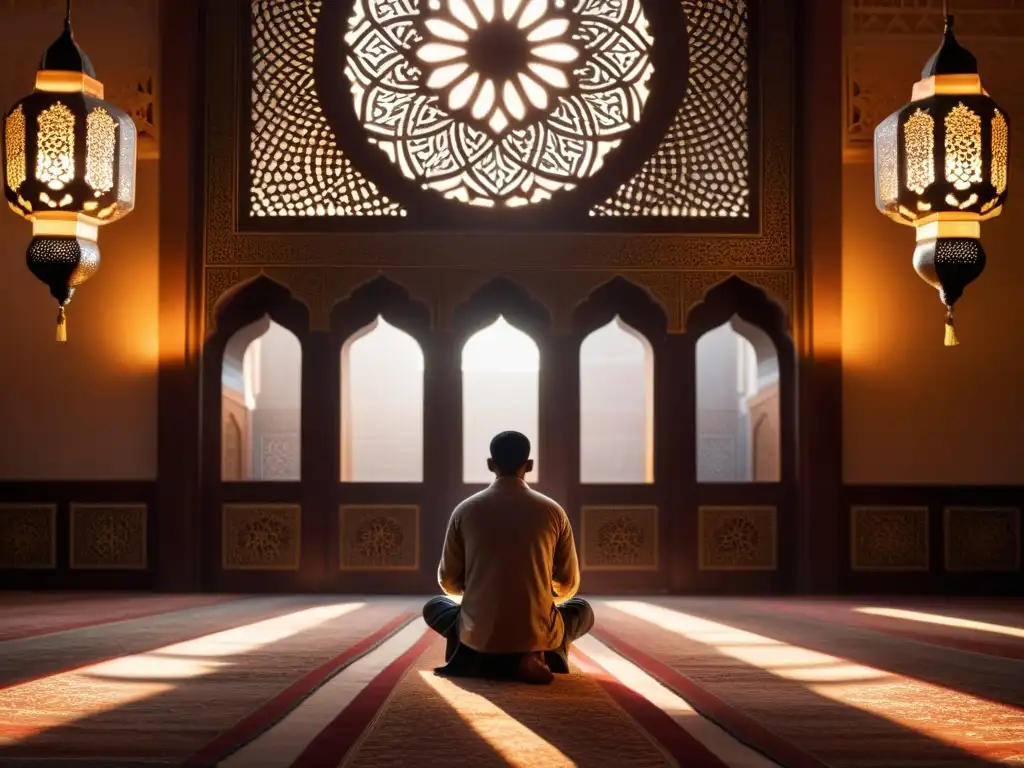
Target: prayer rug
{"x":813,"y":693}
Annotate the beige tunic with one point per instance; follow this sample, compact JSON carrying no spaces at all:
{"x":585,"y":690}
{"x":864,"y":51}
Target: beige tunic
{"x":509,"y":552}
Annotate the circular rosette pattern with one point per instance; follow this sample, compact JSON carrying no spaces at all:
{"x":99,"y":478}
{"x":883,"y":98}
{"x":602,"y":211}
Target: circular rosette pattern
{"x":498,"y":103}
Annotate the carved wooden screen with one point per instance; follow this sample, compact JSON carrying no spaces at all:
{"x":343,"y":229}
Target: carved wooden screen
{"x":589,"y":115}
{"x":695,"y":183}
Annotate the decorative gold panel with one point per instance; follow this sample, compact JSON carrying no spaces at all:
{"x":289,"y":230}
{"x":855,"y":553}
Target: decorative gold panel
{"x":126,"y":169}
{"x":261,"y":537}
{"x":100,"y":143}
{"x":55,"y":155}
{"x":14,"y":146}
{"x":982,"y":538}
{"x":619,"y":538}
{"x":108,"y":536}
{"x":1000,"y":152}
{"x":28,"y":536}
{"x":963,"y":147}
{"x":889,"y":538}
{"x":887,"y":161}
{"x":737,"y":538}
{"x":379,"y":537}
{"x":919,"y":140}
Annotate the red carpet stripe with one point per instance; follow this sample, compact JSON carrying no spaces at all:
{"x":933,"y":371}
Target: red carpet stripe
{"x":33,"y":620}
{"x":743,"y":728}
{"x":333,"y":743}
{"x":278,"y":707}
{"x":680,"y":745}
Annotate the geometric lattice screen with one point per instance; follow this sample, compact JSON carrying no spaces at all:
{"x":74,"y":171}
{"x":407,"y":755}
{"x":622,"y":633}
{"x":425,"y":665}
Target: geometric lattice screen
{"x":435,"y":114}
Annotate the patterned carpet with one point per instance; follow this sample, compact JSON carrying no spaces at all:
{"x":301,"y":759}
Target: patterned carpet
{"x":121,"y":681}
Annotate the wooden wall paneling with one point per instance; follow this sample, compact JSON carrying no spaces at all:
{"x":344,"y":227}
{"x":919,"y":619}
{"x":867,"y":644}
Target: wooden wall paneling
{"x":819,"y":202}
{"x":55,"y":500}
{"x":993,"y":571}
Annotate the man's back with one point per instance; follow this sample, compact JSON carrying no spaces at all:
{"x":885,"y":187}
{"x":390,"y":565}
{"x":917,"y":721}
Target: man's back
{"x":510,"y":552}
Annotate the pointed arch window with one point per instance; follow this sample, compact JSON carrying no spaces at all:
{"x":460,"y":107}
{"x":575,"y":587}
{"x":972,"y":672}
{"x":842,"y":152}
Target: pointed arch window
{"x":382,"y":406}
{"x":616,"y":406}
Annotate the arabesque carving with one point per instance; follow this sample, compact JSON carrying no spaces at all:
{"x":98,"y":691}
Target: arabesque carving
{"x":558,"y":269}
{"x":621,"y":538}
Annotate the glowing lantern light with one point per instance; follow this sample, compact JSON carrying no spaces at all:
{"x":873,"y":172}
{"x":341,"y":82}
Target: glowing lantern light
{"x":69,"y":167}
{"x":941,"y":167}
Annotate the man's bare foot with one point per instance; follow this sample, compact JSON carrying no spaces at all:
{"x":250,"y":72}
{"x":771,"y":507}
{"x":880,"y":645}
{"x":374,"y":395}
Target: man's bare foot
{"x":534,"y":670}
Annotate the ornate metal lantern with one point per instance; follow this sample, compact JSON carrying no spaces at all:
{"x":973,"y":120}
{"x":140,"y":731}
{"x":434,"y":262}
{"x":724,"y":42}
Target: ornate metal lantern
{"x":69,"y":167}
{"x":941,"y":167}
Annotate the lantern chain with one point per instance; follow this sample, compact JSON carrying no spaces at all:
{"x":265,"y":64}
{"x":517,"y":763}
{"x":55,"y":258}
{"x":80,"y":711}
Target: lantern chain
{"x":67,"y":14}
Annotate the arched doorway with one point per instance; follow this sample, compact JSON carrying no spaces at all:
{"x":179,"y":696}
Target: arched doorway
{"x":619,"y":477}
{"x":737,"y":365}
{"x":256,"y":442}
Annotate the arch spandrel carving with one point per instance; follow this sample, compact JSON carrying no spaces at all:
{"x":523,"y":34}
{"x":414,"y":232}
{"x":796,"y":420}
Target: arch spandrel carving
{"x":779,"y":285}
{"x":247,"y":303}
{"x":560,"y":292}
{"x":381,"y":297}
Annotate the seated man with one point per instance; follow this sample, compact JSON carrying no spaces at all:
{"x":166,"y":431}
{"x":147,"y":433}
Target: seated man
{"x":509,"y":552}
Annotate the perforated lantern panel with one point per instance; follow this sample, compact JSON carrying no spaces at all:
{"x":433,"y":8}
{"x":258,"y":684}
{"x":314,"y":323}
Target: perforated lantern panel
{"x":950,"y":264}
{"x":69,"y":153}
{"x":944,"y":154}
{"x":62,"y":263}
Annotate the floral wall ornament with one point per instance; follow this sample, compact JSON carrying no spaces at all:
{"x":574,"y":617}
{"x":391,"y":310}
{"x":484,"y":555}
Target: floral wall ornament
{"x":69,"y":168}
{"x":941,"y":167}
{"x":500,"y":104}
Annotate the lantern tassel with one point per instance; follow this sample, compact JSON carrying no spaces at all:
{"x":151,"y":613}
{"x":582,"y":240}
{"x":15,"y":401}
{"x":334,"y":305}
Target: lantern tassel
{"x":62,"y":325}
{"x":951,"y":339}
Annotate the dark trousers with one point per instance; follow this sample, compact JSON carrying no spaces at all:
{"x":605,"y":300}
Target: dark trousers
{"x":442,"y":616}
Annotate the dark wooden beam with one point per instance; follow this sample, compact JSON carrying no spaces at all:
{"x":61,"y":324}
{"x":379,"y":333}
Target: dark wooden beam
{"x":181,"y":191}
{"x":819,"y":204}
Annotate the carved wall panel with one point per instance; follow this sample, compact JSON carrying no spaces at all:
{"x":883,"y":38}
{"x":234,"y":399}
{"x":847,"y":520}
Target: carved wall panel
{"x":379,"y":538}
{"x":441,"y":269}
{"x":28,"y":535}
{"x":618,"y":538}
{"x":888,"y":42}
{"x":737,"y":538}
{"x":889,"y":538}
{"x":982,"y":538}
{"x":261,"y":537}
{"x":125,"y":54}
{"x":108,"y":536}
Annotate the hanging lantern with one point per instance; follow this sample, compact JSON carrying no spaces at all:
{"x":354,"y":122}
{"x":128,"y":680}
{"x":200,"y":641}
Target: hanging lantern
{"x":69,"y":167}
{"x":941,"y":167}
